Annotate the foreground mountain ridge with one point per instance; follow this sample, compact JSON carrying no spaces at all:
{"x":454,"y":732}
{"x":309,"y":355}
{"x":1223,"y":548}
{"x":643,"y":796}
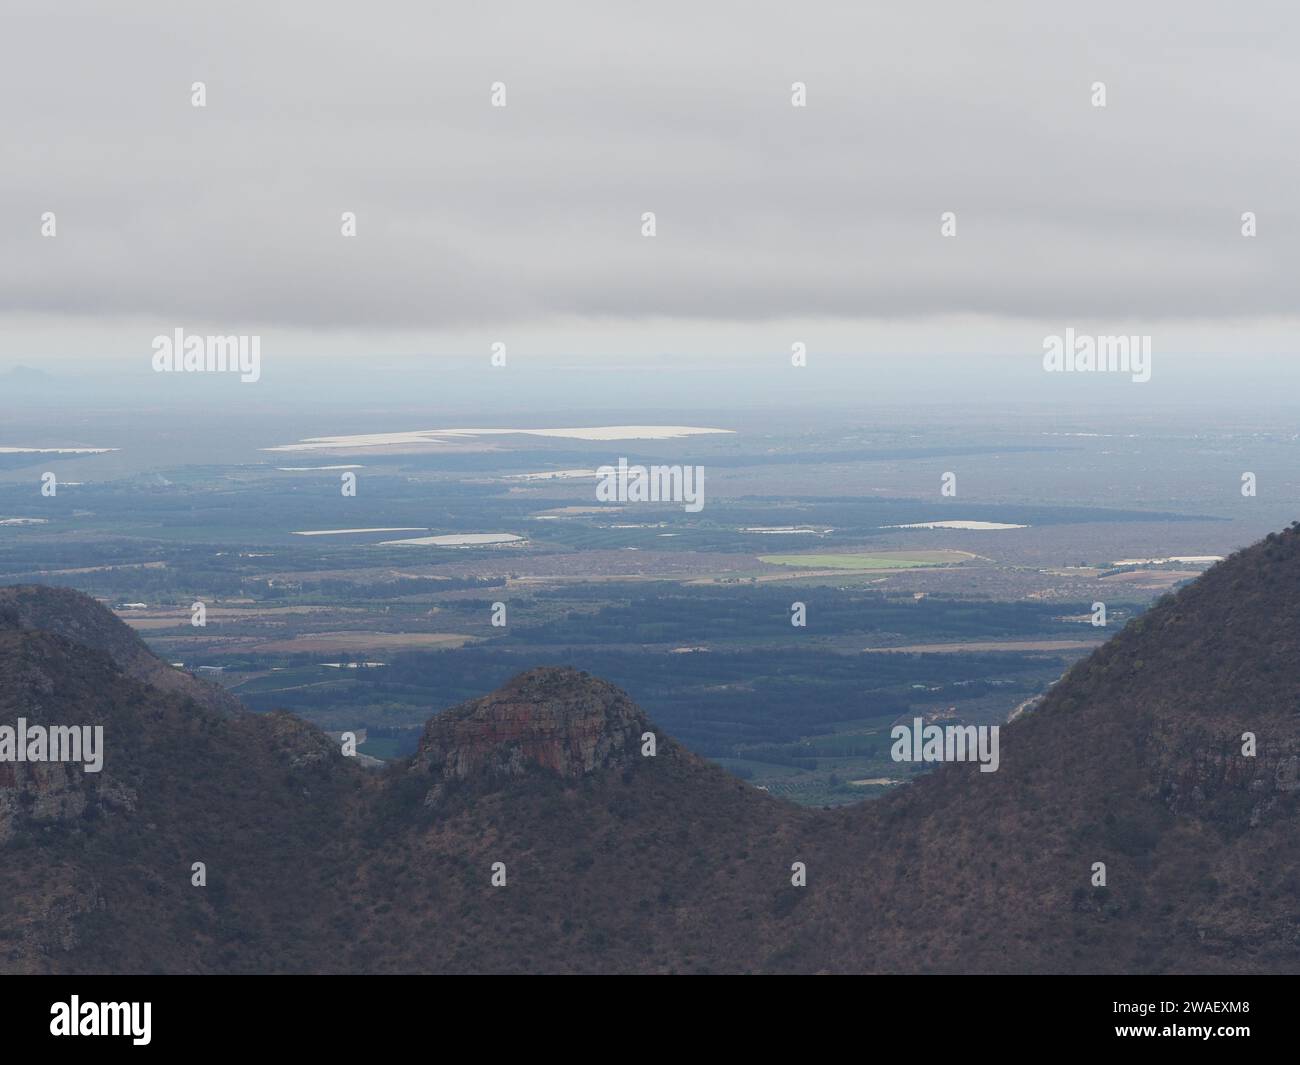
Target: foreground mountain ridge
{"x":615,"y":856}
{"x":88,"y":622}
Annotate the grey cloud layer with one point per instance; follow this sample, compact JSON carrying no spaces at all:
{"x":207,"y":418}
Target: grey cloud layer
{"x":470,"y":215}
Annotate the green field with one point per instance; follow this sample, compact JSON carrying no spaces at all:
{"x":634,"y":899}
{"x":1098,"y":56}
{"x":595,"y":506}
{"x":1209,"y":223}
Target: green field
{"x":863,"y":561}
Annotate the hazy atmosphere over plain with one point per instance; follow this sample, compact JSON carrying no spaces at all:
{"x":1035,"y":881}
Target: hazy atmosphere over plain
{"x":476,"y":222}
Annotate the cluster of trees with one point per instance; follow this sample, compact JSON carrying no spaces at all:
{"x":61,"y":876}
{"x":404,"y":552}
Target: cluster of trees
{"x":671,"y":613}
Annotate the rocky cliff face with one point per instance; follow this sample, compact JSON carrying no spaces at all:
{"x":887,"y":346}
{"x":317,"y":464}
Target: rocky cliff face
{"x":1209,"y":777}
{"x":560,"y":720}
{"x":45,"y":794}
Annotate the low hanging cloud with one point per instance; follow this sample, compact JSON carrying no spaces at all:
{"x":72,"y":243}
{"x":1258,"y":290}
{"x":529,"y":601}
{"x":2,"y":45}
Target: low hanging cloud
{"x":470,"y":215}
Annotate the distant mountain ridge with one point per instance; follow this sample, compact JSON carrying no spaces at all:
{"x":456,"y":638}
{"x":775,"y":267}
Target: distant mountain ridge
{"x":613,"y":859}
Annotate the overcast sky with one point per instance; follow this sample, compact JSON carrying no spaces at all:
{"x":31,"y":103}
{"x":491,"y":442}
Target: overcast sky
{"x":523,"y":223}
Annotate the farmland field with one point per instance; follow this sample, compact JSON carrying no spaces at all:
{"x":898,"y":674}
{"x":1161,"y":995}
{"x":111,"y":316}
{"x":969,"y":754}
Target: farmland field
{"x":875,"y":560}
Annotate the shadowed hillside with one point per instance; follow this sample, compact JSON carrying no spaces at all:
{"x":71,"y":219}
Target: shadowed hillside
{"x":85,"y":621}
{"x":1134,"y":759}
{"x":96,"y":867}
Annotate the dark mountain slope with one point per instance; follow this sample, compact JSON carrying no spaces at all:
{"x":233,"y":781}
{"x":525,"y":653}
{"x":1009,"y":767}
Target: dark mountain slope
{"x":614,"y":860}
{"x":95,"y":868}
{"x":88,"y":622}
{"x":1135,"y":760}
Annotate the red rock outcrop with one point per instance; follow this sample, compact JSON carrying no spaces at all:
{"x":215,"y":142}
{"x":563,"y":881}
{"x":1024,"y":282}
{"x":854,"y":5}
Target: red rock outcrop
{"x":560,"y":720}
